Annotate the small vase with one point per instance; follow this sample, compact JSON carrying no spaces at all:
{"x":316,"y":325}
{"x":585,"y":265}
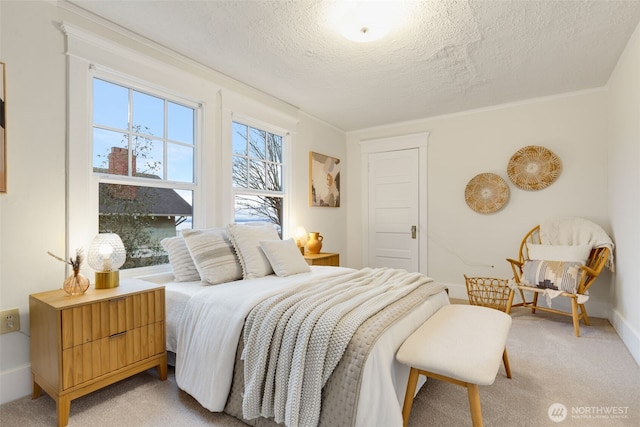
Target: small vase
{"x":314,"y":244}
{"x":76,"y":284}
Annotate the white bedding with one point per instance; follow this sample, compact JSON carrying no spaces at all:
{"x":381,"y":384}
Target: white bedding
{"x":205,"y":356}
{"x":176,"y":296}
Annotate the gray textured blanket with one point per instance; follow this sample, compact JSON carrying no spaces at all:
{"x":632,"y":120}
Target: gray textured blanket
{"x":294,"y":341}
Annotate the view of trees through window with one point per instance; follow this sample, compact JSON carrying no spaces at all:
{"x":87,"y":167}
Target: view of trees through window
{"x":257,"y":174}
{"x":143,"y":152}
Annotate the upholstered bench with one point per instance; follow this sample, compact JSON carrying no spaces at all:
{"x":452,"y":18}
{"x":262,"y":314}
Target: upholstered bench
{"x":460,"y":344}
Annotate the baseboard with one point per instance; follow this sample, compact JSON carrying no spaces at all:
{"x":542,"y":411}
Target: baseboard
{"x":629,"y":336}
{"x":15,"y":383}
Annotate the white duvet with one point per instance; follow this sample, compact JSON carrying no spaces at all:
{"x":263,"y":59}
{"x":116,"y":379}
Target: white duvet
{"x":211,"y":323}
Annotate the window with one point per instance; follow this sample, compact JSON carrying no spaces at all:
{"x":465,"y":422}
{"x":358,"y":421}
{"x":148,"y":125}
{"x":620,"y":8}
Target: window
{"x":144,"y":150}
{"x":258,"y":174}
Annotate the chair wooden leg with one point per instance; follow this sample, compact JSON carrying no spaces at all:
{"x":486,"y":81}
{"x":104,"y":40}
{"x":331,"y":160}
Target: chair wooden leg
{"x":574,"y":315}
{"x":585,"y":317}
{"x":408,"y":397}
{"x":505,"y":360}
{"x":534,"y":303}
{"x":474,"y":404}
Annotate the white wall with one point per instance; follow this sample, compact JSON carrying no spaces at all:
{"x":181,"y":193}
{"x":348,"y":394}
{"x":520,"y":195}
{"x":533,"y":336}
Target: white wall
{"x":461,"y":146}
{"x":624,"y":191}
{"x":330,"y":222}
{"x":33,"y":212}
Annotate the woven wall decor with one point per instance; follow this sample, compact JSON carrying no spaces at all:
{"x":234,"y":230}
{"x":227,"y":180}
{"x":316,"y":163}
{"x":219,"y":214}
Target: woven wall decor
{"x":534,"y":168}
{"x":486,"y":193}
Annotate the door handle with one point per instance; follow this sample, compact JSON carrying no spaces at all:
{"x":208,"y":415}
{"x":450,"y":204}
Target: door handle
{"x":413,"y":231}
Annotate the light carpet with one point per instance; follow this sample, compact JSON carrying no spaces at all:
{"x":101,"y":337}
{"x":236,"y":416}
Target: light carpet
{"x":588,"y":381}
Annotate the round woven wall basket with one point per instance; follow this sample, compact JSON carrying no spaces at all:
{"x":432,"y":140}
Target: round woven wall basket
{"x":486,"y":193}
{"x":534,"y":168}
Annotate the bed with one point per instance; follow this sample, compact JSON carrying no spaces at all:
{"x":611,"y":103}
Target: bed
{"x":218,"y":334}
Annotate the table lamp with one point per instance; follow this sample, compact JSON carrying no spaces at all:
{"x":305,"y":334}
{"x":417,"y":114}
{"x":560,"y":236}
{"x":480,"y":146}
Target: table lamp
{"x":106,"y":255}
{"x":300,"y":236}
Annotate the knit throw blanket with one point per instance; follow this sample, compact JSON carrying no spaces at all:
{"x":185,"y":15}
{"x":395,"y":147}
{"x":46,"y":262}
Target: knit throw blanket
{"x":576,"y":231}
{"x":293,"y":341}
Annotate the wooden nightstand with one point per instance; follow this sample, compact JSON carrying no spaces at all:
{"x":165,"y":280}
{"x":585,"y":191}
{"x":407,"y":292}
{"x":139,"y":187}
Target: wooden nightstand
{"x":323,"y":258}
{"x":80,"y":344}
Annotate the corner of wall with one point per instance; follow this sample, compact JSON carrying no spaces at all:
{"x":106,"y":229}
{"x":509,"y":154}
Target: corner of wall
{"x":629,"y":336}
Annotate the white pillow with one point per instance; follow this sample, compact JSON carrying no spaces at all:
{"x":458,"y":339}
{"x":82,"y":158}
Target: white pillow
{"x":184,"y":270}
{"x":213,"y":255}
{"x":246,"y":240}
{"x":573,"y":253}
{"x":285,"y":257}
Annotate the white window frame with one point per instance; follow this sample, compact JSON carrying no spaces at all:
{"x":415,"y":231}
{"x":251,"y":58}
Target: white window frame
{"x":90,"y":56}
{"x":237,"y":108}
{"x":286,"y":168}
{"x":106,"y":178}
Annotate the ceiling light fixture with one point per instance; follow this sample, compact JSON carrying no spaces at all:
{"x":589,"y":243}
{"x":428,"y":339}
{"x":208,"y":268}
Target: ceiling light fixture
{"x":366,"y":21}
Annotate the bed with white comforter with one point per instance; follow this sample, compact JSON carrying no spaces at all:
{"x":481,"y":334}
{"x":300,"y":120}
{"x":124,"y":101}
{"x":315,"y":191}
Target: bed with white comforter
{"x":206,"y":327}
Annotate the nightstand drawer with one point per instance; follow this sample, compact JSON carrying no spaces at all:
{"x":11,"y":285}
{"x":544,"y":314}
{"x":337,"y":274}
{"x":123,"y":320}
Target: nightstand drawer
{"x":90,"y":322}
{"x":85,"y":362}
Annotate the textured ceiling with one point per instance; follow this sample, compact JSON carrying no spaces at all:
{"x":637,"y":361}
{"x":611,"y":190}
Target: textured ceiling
{"x":444,"y":57}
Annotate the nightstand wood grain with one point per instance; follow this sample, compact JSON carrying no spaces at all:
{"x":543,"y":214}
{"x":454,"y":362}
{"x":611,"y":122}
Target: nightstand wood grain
{"x":82,"y":343}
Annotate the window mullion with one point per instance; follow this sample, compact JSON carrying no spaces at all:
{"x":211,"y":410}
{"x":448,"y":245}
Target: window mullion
{"x":165,"y":139}
{"x":130,"y":170}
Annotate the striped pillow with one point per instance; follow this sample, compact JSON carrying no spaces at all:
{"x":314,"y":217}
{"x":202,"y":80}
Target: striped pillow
{"x":184,"y":270}
{"x":213,"y":255}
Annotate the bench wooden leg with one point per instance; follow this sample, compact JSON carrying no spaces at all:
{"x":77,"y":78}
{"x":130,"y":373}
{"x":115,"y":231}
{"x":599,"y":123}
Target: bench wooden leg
{"x":474,"y":404}
{"x":505,"y":360}
{"x":408,"y":397}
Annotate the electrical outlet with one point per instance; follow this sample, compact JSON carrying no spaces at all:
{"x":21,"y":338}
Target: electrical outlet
{"x":9,"y":321}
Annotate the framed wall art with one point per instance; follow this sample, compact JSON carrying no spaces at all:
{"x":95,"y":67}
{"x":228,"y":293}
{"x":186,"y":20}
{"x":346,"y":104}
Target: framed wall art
{"x":324,"y":180}
{"x":3,"y":130}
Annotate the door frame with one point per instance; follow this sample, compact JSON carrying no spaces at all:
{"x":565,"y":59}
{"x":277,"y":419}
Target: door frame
{"x":418,"y":141}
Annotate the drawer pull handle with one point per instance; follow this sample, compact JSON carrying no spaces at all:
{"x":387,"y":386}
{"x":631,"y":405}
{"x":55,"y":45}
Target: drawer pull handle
{"x":118,"y":334}
{"x":117,"y":299}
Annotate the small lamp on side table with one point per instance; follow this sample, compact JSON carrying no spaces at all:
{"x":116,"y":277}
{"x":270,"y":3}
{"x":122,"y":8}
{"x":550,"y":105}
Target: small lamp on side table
{"x":300,"y":236}
{"x":106,"y":255}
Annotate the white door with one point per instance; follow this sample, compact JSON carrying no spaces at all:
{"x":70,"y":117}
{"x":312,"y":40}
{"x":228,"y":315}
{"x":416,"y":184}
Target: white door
{"x":393,"y":187}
